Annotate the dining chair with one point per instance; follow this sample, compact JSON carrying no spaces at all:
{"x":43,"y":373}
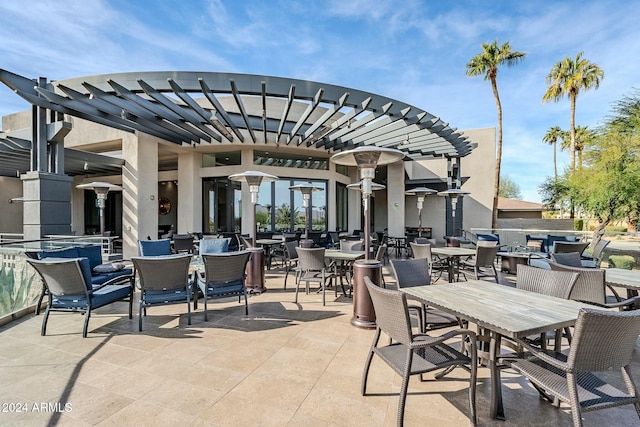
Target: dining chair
{"x":312,"y":268}
{"x":214,"y":246}
{"x":560,"y":247}
{"x":351,"y":245}
{"x":69,"y":288}
{"x":290,"y":259}
{"x":163,"y":280}
{"x":591,"y":288}
{"x":183,"y":243}
{"x":604,"y":343}
{"x":557,"y":284}
{"x":415,"y":272}
{"x":436,"y":265}
{"x":572,"y":259}
{"x":160,"y":247}
{"x":381,"y":254}
{"x":594,"y":259}
{"x":224,"y":276}
{"x":483,"y":261}
{"x":246,"y":242}
{"x":412,"y":354}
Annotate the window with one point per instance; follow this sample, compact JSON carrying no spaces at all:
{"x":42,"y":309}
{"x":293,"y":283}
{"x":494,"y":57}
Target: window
{"x":342,"y":204}
{"x":227,"y":158}
{"x":278,"y":209}
{"x":222,"y":206}
{"x":286,"y":160}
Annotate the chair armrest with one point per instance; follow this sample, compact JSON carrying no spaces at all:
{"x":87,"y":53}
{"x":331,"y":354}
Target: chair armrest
{"x":117,"y":280}
{"x":542,"y":355}
{"x":425,"y":340}
{"x":624,"y":303}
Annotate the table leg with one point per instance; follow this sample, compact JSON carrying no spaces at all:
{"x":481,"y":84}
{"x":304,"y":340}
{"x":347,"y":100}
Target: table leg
{"x":450,"y":271}
{"x":496,"y":407}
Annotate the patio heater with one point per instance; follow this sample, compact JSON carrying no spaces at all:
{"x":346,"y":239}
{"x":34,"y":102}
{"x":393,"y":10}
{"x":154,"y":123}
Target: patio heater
{"x":358,"y":186}
{"x":254,"y":179}
{"x":421,"y":192}
{"x":101,"y":189}
{"x":454,"y":194}
{"x":366,"y":159}
{"x":306,"y":190}
{"x":255,"y":267}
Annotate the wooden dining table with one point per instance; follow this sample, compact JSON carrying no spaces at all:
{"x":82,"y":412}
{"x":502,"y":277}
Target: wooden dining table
{"x":629,"y":279}
{"x":453,"y":255}
{"x":504,"y":312}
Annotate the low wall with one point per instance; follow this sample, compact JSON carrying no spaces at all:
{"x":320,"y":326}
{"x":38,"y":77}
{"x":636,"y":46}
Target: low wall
{"x":536,"y":223}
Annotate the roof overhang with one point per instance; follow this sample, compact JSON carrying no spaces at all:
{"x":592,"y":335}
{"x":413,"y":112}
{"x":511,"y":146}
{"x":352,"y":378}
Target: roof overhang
{"x":15,"y":159}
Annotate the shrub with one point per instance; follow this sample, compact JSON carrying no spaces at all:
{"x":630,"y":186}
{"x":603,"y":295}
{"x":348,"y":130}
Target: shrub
{"x":621,"y":261}
{"x":578,"y":224}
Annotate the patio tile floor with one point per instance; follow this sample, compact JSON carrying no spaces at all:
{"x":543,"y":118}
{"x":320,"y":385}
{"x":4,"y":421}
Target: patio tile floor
{"x":283,"y":365}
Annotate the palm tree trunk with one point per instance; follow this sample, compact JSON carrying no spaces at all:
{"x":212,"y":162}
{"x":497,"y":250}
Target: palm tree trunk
{"x":573,"y":132}
{"x":579,"y":159}
{"x":572,"y":96}
{"x":555,"y":164}
{"x":496,"y":182}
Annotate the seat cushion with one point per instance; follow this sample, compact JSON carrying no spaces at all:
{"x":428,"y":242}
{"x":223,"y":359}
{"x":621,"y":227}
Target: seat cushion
{"x":214,"y":246}
{"x":233,"y":288}
{"x":155,"y":247}
{"x":109,"y":294}
{"x":92,"y":252}
{"x":164,"y":297}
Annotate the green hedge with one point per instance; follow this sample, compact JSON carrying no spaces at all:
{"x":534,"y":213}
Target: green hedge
{"x":578,"y":224}
{"x":621,"y":261}
{"x":611,"y":228}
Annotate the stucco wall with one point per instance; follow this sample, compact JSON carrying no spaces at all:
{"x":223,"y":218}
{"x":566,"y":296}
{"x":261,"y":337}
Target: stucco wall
{"x":479,"y":167}
{"x":10,"y":213}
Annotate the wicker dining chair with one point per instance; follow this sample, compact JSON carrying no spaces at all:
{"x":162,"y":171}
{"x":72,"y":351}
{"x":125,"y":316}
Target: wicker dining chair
{"x":604,"y":342}
{"x":163,"y":280}
{"x":436,"y":265}
{"x":411,"y":354}
{"x":224,"y":276}
{"x":482,"y":264}
{"x":591,"y":288}
{"x":557,"y":284}
{"x":415,"y":272}
{"x":560,"y":247}
{"x":572,"y":259}
{"x":68,"y":285}
{"x":290,"y":259}
{"x":594,"y":259}
{"x":312,"y":268}
{"x":183,"y":243}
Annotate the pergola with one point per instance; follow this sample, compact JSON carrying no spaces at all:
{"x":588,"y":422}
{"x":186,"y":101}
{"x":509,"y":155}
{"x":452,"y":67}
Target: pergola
{"x":198,"y":108}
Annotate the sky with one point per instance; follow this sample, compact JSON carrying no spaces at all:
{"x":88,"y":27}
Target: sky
{"x":410,"y":50}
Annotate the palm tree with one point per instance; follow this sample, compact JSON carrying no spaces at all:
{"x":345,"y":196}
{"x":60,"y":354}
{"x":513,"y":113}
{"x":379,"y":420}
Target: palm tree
{"x":551,"y":137}
{"x":583,"y":136}
{"x":569,"y":77}
{"x":486,"y":63}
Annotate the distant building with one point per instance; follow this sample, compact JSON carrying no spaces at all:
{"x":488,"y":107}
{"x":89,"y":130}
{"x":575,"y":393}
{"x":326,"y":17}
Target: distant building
{"x":513,"y":208}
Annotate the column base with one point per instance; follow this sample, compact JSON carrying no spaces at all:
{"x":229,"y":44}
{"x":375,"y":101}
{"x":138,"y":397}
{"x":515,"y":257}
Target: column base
{"x":364,"y":315}
{"x":255,"y":272}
